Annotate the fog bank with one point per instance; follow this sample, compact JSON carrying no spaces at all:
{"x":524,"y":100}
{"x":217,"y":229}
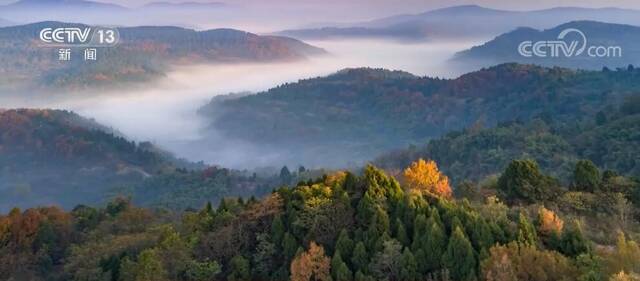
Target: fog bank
{"x":165,"y":112}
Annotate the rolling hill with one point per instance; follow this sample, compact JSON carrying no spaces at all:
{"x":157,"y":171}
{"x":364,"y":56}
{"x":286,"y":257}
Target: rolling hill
{"x":457,"y":23}
{"x":504,"y":48}
{"x":54,"y":157}
{"x":143,"y":53}
{"x":355,"y":114}
{"x":57,"y":157}
{"x":608,"y":138}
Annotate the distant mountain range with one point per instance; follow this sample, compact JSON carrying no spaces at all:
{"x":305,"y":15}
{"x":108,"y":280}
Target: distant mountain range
{"x":464,"y":22}
{"x":504,"y":48}
{"x":144,"y":53}
{"x":195,"y":6}
{"x":94,"y":12}
{"x":356,"y":114}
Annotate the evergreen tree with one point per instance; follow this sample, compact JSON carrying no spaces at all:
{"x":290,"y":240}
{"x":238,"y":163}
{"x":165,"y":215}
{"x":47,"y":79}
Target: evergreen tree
{"x":435,"y":246}
{"x":408,"y":266}
{"x":285,"y":176}
{"x":386,"y":264}
{"x":401,"y":233}
{"x":526,"y":231}
{"x":481,"y":236}
{"x":339,"y":269}
{"x":362,"y":277}
{"x":344,"y":244}
{"x":277,"y":230}
{"x":366,"y":208}
{"x":523,"y":181}
{"x":586,"y":176}
{"x":459,"y":258}
{"x":240,"y":269}
{"x":343,"y":273}
{"x":289,"y":246}
{"x":573,"y":242}
{"x":420,"y":229}
{"x":360,"y":258}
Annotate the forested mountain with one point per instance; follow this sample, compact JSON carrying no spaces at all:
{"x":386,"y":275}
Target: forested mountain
{"x":463,"y":23}
{"x":356,"y":114}
{"x":57,"y":157}
{"x":143,"y":53}
{"x":609,"y":138}
{"x":51,"y":157}
{"x":504,"y":48}
{"x":346,"y":227}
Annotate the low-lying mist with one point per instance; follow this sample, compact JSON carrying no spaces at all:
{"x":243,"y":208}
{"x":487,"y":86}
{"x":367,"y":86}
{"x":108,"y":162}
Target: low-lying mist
{"x":165,"y":112}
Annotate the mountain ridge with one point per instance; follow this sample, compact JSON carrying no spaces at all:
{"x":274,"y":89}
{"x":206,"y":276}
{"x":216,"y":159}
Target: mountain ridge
{"x":144,"y":53}
{"x":504,"y":48}
{"x":447,"y":23}
{"x":357,"y":112}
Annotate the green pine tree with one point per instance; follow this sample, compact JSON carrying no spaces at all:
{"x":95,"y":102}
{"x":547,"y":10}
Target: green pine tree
{"x":573,"y":243}
{"x":526,"y":231}
{"x":436,"y":243}
{"x":459,"y":258}
{"x":289,"y":246}
{"x":339,"y":269}
{"x":344,"y":244}
{"x":360,"y":257}
{"x":277,"y":230}
{"x":408,"y":266}
{"x":401,"y":233}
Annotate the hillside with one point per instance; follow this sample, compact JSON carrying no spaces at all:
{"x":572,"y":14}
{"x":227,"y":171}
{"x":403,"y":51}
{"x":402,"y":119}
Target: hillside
{"x":343,"y":226}
{"x":143,"y":53}
{"x":457,"y":23}
{"x":504,"y":48}
{"x":607,"y":138}
{"x":52,"y":157}
{"x":57,"y":157}
{"x":356,"y":114}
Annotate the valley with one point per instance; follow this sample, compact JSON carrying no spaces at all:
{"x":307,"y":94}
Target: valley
{"x":355,"y":140}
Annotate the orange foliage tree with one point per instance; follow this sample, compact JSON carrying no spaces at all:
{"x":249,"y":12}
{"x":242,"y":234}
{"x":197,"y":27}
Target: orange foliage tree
{"x":311,"y":265}
{"x":549,"y":222}
{"x":424,"y":177}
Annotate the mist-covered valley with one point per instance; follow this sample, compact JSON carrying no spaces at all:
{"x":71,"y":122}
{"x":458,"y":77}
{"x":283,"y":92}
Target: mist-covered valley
{"x":165,"y":111}
{"x":346,"y":140}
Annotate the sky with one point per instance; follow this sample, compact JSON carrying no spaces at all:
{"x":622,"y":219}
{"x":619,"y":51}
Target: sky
{"x":265,"y":16}
{"x":384,"y":7}
{"x":410,"y":4}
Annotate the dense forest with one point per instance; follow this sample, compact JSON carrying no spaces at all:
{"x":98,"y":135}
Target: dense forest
{"x":58,"y":157}
{"x":609,"y":138}
{"x":356,"y":114}
{"x":142,"y":54}
{"x":345,"y":226}
{"x":544,"y":186}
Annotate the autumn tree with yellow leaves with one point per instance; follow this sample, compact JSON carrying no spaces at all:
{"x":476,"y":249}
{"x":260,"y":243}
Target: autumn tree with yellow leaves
{"x":424,"y":177}
{"x":549,"y":222}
